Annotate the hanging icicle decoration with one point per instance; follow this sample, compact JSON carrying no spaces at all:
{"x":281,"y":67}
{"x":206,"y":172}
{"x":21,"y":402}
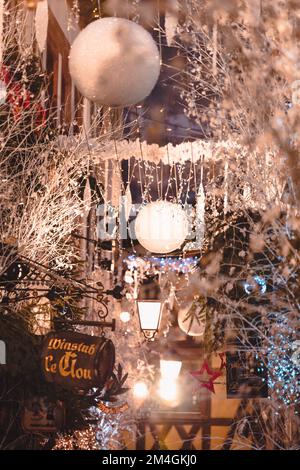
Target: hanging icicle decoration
{"x":199,"y":221}
{"x":199,"y":217}
{"x":200,"y":213}
{"x":127,"y":203}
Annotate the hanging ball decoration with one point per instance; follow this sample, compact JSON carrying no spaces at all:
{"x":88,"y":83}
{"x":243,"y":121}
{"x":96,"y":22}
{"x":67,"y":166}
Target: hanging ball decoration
{"x":191,"y":325}
{"x":161,"y":227}
{"x":114,"y":62}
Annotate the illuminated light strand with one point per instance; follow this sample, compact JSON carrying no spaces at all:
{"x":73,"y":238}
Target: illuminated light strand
{"x":261,"y":283}
{"x":183,"y":265}
{"x":283,"y":373}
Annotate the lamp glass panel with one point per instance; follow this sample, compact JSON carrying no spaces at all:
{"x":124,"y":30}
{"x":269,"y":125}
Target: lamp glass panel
{"x":149,"y":313}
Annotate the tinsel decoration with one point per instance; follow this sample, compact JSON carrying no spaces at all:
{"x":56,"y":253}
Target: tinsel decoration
{"x":84,"y":439}
{"x":107,"y":434}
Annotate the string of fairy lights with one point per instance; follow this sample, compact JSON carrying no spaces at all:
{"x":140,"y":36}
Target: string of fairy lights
{"x":162,"y":264}
{"x":284,"y":360}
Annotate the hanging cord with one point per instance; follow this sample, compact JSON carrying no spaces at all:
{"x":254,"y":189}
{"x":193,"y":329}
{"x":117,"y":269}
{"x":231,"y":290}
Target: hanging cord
{"x":145,"y":192}
{"x":159,"y":189}
{"x":190,"y":176}
{"x":170,"y":175}
{"x":141,"y":152}
{"x":119,"y":166}
{"x":159,"y":32}
{"x":161,"y":178}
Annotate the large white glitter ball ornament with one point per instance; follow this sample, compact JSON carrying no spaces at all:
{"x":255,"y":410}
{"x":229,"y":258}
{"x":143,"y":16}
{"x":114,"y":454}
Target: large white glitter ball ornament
{"x":114,"y":62}
{"x":161,"y":227}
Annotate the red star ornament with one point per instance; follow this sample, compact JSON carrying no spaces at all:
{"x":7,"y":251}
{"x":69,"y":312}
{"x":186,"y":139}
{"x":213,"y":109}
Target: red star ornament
{"x":209,"y":384}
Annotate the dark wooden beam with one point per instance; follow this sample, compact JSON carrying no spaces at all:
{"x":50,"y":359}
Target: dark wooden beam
{"x":57,"y":43}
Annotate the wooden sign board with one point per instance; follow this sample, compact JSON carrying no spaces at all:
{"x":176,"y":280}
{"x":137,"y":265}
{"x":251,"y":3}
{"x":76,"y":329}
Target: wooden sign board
{"x":246,"y":376}
{"x":77,"y":361}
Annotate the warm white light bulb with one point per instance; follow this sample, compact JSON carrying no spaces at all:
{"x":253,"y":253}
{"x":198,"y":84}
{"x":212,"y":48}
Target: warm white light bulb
{"x":125,"y":317}
{"x":140,"y":390}
{"x":170,"y":369}
{"x":167,"y":389}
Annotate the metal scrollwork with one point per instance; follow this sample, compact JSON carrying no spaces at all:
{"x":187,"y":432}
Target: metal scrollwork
{"x":37,"y":280}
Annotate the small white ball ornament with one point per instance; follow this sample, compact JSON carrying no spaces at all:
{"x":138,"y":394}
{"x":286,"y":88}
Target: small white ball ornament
{"x":114,"y":62}
{"x":161,"y":227}
{"x":125,"y":316}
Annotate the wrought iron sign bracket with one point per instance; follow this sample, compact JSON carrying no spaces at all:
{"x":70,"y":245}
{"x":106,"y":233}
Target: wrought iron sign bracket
{"x":100,"y":324}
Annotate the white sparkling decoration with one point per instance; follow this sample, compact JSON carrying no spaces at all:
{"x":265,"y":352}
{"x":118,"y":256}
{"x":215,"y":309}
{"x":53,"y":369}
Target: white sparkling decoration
{"x":114,"y":62}
{"x":161,"y":227}
{"x":125,"y":317}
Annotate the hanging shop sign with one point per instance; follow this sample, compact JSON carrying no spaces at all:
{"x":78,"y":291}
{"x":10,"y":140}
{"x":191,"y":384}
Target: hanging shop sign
{"x":41,"y":415}
{"x":77,"y":361}
{"x":246,"y":374}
